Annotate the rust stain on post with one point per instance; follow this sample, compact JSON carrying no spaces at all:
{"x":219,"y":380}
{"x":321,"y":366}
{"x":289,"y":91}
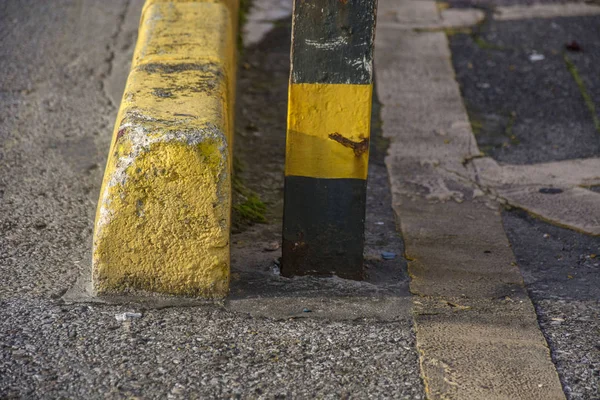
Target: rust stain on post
{"x":359,"y":147}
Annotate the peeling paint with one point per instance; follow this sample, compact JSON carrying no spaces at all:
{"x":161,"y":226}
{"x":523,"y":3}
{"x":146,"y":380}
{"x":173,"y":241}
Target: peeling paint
{"x":315,"y":112}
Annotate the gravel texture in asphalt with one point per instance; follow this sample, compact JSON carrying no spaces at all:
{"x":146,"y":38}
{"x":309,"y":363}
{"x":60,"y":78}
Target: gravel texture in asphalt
{"x":54,"y":351}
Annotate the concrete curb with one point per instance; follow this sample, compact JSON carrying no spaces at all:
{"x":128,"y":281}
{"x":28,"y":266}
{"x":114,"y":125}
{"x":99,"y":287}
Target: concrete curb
{"x":163,"y":218}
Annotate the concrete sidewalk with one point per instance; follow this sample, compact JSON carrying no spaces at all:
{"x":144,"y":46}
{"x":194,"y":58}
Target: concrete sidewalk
{"x":524,"y":140}
{"x":532,"y":93}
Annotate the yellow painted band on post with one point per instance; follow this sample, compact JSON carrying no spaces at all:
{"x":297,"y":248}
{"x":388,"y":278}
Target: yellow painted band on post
{"x":328,"y":130}
{"x":163,"y":218}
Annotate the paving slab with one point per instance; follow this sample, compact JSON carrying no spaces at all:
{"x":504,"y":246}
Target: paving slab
{"x":497,"y":3}
{"x":477,"y":331}
{"x":532,"y":99}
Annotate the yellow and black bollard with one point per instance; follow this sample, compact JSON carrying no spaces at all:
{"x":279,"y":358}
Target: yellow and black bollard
{"x":327,"y":147}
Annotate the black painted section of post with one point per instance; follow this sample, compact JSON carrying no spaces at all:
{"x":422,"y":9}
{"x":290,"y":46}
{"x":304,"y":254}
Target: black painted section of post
{"x":328,"y":36}
{"x":323,"y":228}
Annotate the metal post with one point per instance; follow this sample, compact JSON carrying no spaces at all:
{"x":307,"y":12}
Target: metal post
{"x":327,"y":148}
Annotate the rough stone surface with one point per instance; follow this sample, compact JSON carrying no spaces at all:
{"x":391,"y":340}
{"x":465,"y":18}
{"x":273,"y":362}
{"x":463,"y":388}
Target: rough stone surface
{"x":163,"y":219}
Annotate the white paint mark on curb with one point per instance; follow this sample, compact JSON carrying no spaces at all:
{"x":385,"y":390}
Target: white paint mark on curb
{"x":141,"y":140}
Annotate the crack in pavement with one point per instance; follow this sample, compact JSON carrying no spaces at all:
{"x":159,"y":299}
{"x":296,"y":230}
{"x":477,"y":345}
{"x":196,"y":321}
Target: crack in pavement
{"x":110,"y":48}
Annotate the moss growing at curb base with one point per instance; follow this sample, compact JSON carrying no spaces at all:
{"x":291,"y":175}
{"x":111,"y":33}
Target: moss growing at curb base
{"x":248,"y":208}
{"x":252,"y":210}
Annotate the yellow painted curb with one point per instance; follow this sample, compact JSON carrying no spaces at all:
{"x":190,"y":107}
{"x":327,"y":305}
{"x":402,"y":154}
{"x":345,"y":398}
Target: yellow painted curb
{"x":163,"y":218}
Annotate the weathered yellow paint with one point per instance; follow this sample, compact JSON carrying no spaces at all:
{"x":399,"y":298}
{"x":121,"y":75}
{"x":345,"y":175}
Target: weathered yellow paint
{"x":320,"y":118}
{"x":163,"y":219}
{"x":170,"y":231}
{"x":183,"y":31}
